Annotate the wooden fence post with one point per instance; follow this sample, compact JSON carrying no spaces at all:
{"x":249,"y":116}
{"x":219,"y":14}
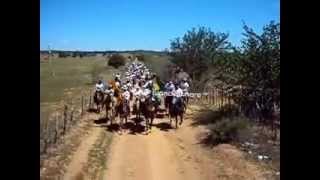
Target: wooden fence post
{"x":65,"y":119}
{"x":81,"y":105}
{"x":55,"y":129}
{"x":90,"y":102}
{"x":222,"y":102}
{"x":45,"y":137}
{"x":71,"y":115}
{"x":214,"y":97}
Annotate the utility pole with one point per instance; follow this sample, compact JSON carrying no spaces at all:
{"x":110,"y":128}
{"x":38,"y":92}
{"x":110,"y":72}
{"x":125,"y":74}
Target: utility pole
{"x":50,"y":63}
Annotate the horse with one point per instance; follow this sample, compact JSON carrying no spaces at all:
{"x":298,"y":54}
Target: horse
{"x":176,"y":108}
{"x":98,"y":99}
{"x":136,"y":107}
{"x":148,"y":107}
{"x":109,"y":102}
{"x":124,"y":111}
{"x":118,"y":108}
{"x":167,"y":101}
{"x":185,"y":101}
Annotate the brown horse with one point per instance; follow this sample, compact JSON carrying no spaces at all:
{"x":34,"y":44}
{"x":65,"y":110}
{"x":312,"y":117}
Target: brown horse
{"x":148,"y":108}
{"x":136,"y":107}
{"x":98,"y":100}
{"x":124,"y":111}
{"x":185,"y":102}
{"x":176,"y":109}
{"x":167,"y":101}
{"x":109,"y":102}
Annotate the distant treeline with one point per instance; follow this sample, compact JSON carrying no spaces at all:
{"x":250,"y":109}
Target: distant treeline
{"x":62,"y":53}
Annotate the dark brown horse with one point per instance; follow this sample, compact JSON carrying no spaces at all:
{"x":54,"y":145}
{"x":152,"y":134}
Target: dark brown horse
{"x":109,"y":102}
{"x":98,"y":100}
{"x":148,"y":108}
{"x":124,"y":111}
{"x":136,"y":107}
{"x":167,"y":101}
{"x":176,"y":108}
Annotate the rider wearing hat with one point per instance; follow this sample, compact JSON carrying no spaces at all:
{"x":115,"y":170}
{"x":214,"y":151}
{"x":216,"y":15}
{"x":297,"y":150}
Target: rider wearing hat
{"x":100,"y":86}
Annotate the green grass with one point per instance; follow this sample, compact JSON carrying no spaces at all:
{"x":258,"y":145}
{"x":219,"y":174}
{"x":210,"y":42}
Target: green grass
{"x":72,"y":77}
{"x":70,"y":73}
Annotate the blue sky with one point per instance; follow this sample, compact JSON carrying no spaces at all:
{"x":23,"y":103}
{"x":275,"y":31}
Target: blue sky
{"x":142,"y":24}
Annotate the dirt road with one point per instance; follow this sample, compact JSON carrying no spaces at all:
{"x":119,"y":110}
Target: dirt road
{"x":175,"y":154}
{"x":163,"y":154}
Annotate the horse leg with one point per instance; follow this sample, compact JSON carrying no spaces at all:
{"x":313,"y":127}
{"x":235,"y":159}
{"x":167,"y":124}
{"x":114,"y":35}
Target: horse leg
{"x":121,"y":124}
{"x":151,"y":122}
{"x":146,"y":127}
{"x":181,"y":118}
{"x":107,"y":113}
{"x":112,"y":116}
{"x":176,"y":122}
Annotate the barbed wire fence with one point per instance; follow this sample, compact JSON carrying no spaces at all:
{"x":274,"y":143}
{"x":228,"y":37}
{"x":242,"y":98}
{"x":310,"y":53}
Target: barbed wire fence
{"x":55,"y":125}
{"x":224,"y":98}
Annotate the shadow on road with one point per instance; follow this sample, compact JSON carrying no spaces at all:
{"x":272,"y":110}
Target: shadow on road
{"x":101,"y":121}
{"x":163,"y":126}
{"x":134,"y":125}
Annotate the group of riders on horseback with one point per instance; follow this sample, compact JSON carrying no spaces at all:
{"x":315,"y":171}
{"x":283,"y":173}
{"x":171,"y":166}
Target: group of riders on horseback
{"x":139,"y":93}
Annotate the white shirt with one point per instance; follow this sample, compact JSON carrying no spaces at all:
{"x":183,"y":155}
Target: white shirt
{"x":146,"y":92}
{"x":178,"y":93}
{"x":99,"y":87}
{"x":129,"y":85}
{"x":171,"y":87}
{"x":126,"y":95}
{"x":111,"y":92}
{"x":147,"y":84}
{"x":185,"y":87}
{"x":137,"y":93}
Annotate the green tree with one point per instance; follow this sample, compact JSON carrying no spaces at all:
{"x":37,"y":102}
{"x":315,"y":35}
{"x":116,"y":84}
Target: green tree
{"x":256,"y":67}
{"x":197,"y":49}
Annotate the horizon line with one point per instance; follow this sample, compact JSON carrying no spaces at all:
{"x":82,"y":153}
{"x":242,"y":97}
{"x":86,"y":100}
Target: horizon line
{"x":101,"y":50}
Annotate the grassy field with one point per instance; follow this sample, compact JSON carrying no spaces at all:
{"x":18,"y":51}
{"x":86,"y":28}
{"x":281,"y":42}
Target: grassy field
{"x":72,"y":76}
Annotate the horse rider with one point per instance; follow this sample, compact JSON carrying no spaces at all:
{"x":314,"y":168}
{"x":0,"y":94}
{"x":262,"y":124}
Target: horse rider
{"x":156,"y":90}
{"x":137,"y":94}
{"x":117,"y":79}
{"x":185,"y":87}
{"x":99,"y":87}
{"x":126,"y":96}
{"x":177,"y":95}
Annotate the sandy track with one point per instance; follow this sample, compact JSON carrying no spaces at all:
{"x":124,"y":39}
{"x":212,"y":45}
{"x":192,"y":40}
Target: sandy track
{"x":80,"y":157}
{"x":146,"y":157}
{"x":165,"y":154}
{"x":177,"y":155}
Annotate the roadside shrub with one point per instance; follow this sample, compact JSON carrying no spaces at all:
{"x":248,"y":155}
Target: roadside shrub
{"x":227,"y":130}
{"x":210,"y":116}
{"x":140,"y":57}
{"x":117,"y":60}
{"x":63,"y":54}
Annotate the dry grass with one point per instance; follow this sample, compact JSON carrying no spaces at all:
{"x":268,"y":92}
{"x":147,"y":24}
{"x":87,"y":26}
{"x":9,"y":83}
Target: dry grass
{"x":97,"y":159}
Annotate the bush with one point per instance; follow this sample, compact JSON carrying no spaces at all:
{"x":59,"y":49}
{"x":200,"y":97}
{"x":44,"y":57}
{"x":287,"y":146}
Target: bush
{"x":140,"y":57}
{"x":117,"y":60}
{"x":63,"y":54}
{"x":227,"y":130}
